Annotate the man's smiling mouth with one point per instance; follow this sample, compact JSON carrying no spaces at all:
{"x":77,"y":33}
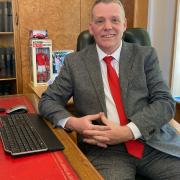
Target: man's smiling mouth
{"x":108,"y":36}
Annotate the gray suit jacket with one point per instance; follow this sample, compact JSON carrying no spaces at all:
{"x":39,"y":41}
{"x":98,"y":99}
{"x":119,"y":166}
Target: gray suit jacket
{"x":146,"y":97}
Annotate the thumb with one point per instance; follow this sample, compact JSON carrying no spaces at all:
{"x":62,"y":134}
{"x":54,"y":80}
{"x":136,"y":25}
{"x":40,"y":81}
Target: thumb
{"x":93,"y":117}
{"x":104,"y":118}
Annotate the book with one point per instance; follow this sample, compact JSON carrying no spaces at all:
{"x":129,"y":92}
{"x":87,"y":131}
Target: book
{"x":13,"y":64}
{"x":1,"y":17}
{"x":9,"y":17}
{"x":6,"y":22}
{"x":9,"y":62}
{"x":2,"y":62}
{"x":5,"y":17}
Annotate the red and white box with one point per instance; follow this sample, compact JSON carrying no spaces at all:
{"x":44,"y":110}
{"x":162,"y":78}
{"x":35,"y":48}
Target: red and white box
{"x":38,"y":34}
{"x":41,"y":61}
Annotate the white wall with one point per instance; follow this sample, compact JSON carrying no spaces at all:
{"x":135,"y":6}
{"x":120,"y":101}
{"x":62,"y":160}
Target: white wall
{"x":176,"y":61}
{"x":161,"y":19}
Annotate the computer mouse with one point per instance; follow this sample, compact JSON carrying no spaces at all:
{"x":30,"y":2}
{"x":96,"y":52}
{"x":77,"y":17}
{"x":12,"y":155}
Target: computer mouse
{"x":17,"y":109}
{"x":2,"y":109}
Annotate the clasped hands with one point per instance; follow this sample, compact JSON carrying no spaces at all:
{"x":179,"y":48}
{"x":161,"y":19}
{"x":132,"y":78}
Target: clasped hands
{"x":101,"y":135}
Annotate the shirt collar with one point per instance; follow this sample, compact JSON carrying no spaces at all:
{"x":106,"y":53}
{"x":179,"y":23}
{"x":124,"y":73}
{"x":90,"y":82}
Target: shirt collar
{"x":115,"y":54}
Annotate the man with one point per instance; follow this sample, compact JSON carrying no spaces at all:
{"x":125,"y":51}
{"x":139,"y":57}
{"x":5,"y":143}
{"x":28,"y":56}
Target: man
{"x":145,"y":143}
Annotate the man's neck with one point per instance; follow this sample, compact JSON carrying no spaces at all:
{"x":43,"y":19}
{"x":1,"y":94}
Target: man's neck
{"x":109,"y":51}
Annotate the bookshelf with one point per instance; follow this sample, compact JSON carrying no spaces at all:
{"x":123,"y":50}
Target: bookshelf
{"x":9,"y":71}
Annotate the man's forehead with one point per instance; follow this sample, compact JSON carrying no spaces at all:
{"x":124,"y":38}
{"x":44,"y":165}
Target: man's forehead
{"x":102,"y":10}
{"x":106,"y":14}
{"x":103,"y":17}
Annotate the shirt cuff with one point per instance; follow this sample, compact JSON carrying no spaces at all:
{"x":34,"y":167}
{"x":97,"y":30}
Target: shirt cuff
{"x":137,"y":134}
{"x":62,"y":122}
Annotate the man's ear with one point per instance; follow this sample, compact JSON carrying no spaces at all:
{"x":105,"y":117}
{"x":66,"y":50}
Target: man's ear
{"x":90,"y":29}
{"x":125,"y":24}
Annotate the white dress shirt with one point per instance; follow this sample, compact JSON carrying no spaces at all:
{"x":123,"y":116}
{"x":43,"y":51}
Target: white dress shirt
{"x":112,"y":113}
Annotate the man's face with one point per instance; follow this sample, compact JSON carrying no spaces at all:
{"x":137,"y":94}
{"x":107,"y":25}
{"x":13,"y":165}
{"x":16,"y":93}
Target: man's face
{"x":107,"y":26}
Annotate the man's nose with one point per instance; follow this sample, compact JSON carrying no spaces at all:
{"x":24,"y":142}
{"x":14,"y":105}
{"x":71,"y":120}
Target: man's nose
{"x":107,"y":25}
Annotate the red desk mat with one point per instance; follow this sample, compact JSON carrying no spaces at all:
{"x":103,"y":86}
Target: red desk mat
{"x":40,"y":166}
{"x":8,"y":102}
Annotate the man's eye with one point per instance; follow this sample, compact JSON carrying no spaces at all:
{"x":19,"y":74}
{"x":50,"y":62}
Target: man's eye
{"x":99,"y":21}
{"x":115,"y":20}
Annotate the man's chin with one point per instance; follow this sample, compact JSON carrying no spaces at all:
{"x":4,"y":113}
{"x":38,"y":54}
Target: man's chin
{"x":108,"y":49}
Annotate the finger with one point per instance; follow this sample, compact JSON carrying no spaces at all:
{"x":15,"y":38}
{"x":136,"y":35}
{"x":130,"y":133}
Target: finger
{"x":101,"y":139}
{"x":94,"y":142}
{"x":100,"y":128}
{"x":86,"y":136}
{"x":93,"y":133}
{"x":102,"y":145}
{"x":93,"y":117}
{"x":90,"y":141}
{"x":104,"y":118}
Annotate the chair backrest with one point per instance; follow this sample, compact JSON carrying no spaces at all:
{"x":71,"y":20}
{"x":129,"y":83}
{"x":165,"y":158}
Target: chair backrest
{"x":131,"y":35}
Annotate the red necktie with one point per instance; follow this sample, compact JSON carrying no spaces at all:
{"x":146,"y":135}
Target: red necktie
{"x":134,"y":147}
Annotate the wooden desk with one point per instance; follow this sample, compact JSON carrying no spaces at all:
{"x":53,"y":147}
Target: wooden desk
{"x":75,"y":157}
{"x":39,"y":89}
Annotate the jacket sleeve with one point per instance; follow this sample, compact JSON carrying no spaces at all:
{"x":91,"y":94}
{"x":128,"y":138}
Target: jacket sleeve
{"x":53,"y":101}
{"x":155,"y":107}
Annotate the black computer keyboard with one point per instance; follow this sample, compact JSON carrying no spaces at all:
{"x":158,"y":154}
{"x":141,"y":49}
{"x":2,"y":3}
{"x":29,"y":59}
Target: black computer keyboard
{"x":19,"y":136}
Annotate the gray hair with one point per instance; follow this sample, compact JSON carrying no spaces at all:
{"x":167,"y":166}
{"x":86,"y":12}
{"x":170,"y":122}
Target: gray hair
{"x":109,"y":1}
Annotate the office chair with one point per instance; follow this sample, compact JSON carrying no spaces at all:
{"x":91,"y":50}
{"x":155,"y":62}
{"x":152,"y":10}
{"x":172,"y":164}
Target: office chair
{"x":132,"y":35}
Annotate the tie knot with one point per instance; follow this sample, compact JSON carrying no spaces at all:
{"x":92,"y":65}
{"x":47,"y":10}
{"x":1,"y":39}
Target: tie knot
{"x":108,"y":59}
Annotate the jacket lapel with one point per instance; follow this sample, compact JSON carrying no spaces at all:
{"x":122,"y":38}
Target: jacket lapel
{"x":125,"y":68}
{"x":94,"y":71}
{"x":93,"y":68}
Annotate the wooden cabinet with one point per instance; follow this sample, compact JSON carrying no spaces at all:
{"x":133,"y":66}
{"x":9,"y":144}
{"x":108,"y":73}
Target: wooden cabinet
{"x":10,"y":71}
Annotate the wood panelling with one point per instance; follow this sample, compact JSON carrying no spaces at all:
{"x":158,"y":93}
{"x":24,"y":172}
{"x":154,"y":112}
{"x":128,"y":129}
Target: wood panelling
{"x":136,"y":12}
{"x":129,"y":10}
{"x":85,"y":13}
{"x":61,"y":19}
{"x":140,"y":13}
{"x":19,"y":82}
